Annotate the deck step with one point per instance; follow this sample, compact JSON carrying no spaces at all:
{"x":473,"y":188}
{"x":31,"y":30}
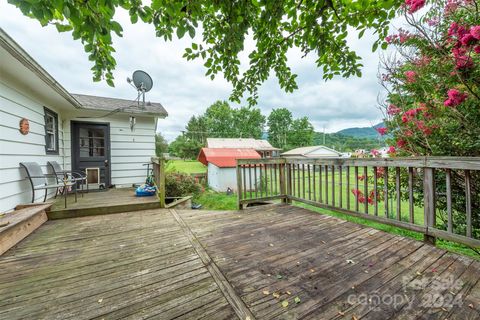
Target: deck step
{"x":15,"y":226}
{"x":101,"y":210}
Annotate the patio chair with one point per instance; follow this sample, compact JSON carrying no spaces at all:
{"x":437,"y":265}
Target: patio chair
{"x":38,"y":181}
{"x":71,"y":175}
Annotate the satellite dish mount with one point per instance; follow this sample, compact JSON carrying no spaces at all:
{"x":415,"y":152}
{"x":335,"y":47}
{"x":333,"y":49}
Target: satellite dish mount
{"x":142,"y":82}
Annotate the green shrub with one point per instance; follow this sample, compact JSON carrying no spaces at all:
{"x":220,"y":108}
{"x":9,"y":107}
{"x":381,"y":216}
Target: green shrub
{"x":180,"y":185}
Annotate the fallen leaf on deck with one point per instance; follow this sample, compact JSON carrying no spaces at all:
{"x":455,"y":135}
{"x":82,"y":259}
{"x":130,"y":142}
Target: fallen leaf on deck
{"x":350,"y":261}
{"x":271,"y":244}
{"x":341,"y":313}
{"x":266,"y":292}
{"x":247,"y":318}
{"x":297,"y":300}
{"x":276,"y":295}
{"x":419,"y":273}
{"x":312,"y":270}
{"x":354,"y":317}
{"x":279,"y":276}
{"x":285,"y":304}
{"x":471,"y":305}
{"x":100,"y":300}
{"x":288,"y":292}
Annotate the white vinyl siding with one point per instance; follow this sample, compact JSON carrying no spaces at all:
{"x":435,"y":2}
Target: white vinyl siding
{"x":15,"y":147}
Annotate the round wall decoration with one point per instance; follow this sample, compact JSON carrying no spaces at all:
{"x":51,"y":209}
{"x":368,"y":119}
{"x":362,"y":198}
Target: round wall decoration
{"x":24,"y":126}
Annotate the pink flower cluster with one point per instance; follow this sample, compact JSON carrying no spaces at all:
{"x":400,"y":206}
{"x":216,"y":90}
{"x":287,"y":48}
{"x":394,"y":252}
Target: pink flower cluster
{"x":375,"y":153}
{"x":414,"y":5}
{"x":399,"y":38}
{"x":455,"y":98}
{"x":465,"y":38}
{"x":383,"y":131}
{"x":391,"y":150}
{"x":411,"y":76}
{"x":393,"y":110}
{"x":411,"y":114}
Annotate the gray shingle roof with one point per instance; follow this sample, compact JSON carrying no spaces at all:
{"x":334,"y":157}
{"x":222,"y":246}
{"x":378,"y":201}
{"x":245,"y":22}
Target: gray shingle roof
{"x":122,"y":105}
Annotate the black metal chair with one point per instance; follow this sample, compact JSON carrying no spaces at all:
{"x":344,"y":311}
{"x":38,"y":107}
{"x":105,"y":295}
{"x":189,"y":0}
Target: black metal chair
{"x":39,"y":181}
{"x":71,"y":175}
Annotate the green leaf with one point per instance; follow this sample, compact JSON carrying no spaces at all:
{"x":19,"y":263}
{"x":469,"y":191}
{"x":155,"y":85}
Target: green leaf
{"x":297,"y":300}
{"x":285,"y":304}
{"x":180,"y":32}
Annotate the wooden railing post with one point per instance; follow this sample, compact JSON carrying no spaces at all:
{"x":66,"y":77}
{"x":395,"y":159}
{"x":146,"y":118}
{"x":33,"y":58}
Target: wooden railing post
{"x":159,"y":174}
{"x":429,"y":203}
{"x":239,"y":187}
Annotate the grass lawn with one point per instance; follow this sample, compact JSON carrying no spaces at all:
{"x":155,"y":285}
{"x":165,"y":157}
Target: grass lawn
{"x":186,"y":166}
{"x":211,"y":200}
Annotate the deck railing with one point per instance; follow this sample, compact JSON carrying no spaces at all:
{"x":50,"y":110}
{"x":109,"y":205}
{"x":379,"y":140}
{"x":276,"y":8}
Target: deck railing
{"x":436,"y":196}
{"x":159,"y":176}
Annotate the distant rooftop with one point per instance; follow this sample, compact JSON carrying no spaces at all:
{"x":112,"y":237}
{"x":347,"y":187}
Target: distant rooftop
{"x":242,"y":143}
{"x":312,"y":152}
{"x":122,"y":105}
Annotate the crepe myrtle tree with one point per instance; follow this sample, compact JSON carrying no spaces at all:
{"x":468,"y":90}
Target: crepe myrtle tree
{"x":433,"y":101}
{"x":317,"y":27}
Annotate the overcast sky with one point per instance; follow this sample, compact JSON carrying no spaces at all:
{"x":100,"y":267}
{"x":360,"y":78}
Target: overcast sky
{"x":181,"y":86}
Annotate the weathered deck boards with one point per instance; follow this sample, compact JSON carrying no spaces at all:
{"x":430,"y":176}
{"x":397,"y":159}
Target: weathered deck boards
{"x":337,"y":269}
{"x":165,"y":264}
{"x":101,"y":202}
{"x":127,"y":265}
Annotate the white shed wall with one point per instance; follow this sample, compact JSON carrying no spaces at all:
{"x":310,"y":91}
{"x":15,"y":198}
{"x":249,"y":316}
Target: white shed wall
{"x":219,"y":179}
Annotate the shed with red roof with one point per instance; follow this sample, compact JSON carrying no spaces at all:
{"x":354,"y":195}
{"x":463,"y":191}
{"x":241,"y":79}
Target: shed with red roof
{"x":221,"y":163}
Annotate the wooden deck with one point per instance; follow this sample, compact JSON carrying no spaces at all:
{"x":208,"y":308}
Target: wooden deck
{"x":101,"y":202}
{"x":167,"y":264}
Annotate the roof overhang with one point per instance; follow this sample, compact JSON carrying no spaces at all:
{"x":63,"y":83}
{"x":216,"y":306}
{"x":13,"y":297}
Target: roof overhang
{"x":24,"y":72}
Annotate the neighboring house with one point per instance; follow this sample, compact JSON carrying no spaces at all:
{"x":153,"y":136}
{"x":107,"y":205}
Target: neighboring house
{"x":313,"y":152}
{"x":112,"y":136}
{"x":263,"y":147}
{"x":221,"y":165}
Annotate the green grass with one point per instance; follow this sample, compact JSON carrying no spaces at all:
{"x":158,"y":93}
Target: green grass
{"x":185,"y":166}
{"x":211,"y":200}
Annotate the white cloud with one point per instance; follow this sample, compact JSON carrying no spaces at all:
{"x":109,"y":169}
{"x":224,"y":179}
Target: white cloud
{"x":181,"y":86}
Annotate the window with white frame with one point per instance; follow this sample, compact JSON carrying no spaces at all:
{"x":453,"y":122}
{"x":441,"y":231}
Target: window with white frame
{"x":51,"y":132}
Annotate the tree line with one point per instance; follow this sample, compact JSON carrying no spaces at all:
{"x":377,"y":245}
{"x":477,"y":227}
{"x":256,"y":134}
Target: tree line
{"x":220,"y":120}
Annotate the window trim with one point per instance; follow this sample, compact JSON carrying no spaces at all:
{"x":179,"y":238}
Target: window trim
{"x":54,"y":115}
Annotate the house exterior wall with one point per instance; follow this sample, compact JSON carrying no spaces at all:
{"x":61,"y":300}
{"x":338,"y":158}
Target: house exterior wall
{"x":129,"y":149}
{"x":15,"y":147}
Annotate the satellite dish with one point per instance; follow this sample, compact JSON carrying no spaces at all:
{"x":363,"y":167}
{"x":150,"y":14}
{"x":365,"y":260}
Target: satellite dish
{"x":142,"y":81}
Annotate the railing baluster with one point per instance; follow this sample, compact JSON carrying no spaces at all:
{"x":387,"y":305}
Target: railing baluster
{"x":411,"y":207}
{"x":272,"y":191}
{"x":314,"y":185}
{"x":320,"y":186}
{"x":348,"y":187}
{"x":385,"y":190}
{"x":340,"y":193}
{"x":256,"y":181}
{"x":294,"y":191}
{"x":260,"y":172}
{"x":365,"y":187}
{"x":299,"y":191}
{"x":375,"y":187}
{"x":468,"y":201}
{"x":448,"y":176}
{"x":309,"y":184}
{"x":397,"y":187}
{"x":250,"y":180}
{"x":303,"y":181}
{"x":357,"y":190}
{"x":333,"y":185}
{"x":326,"y":184}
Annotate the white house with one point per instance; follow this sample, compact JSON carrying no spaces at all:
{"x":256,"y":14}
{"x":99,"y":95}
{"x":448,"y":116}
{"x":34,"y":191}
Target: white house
{"x":313,"y":152}
{"x":110,"y":135}
{"x":221,"y":165}
{"x":263,"y":147}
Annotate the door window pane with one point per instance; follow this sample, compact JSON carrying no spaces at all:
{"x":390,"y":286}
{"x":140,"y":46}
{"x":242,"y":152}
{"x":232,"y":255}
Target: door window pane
{"x":92,"y":142}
